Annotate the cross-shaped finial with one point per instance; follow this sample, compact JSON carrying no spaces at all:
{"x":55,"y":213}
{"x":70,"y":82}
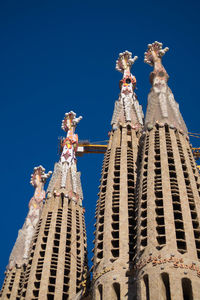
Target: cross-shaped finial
{"x":70,"y":121}
{"x":154,"y":53}
{"x":125,"y":61}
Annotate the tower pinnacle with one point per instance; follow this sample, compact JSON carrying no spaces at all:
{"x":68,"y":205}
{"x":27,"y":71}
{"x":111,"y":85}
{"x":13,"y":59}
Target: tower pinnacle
{"x":123,"y":65}
{"x":71,"y":141}
{"x":70,"y":121}
{"x":162,"y":107}
{"x":127,"y":108}
{"x":153,"y":57}
{"x":125,"y":62}
{"x":154,"y":53}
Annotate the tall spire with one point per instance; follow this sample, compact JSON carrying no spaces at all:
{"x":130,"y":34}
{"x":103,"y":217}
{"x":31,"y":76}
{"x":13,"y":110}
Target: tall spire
{"x":162,"y":107}
{"x":127,"y":108}
{"x":19,"y":254}
{"x":115,"y":235}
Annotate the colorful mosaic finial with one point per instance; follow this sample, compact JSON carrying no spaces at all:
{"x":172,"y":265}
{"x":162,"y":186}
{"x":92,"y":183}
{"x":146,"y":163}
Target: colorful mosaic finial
{"x":69,"y":145}
{"x":154,"y":53}
{"x":125,"y":61}
{"x":127,"y":108}
{"x":123,"y":65}
{"x":40,"y":170}
{"x":70,"y":121}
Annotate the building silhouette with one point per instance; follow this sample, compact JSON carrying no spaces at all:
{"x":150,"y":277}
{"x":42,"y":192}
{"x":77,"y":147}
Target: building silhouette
{"x":147,"y":237}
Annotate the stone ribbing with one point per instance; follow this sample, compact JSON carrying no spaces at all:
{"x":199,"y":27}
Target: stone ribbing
{"x":168,"y":218}
{"x":115,"y":228}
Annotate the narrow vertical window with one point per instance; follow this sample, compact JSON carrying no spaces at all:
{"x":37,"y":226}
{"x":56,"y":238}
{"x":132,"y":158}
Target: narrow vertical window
{"x":116,"y":288}
{"x":165,"y":279}
{"x":100,"y":292}
{"x":146,"y":282}
{"x":187,"y":289}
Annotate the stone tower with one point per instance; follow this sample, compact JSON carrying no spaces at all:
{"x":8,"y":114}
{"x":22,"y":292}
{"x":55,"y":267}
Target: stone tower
{"x":115,"y":227}
{"x":167,"y":265}
{"x":54,"y":256}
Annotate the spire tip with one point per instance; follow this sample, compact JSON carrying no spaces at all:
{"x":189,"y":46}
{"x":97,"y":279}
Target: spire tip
{"x":125,"y":61}
{"x":154,"y":52}
{"x":70,"y":120}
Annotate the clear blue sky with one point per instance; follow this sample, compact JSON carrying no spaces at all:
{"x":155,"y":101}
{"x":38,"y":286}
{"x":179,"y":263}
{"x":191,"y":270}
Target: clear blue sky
{"x":57,"y":56}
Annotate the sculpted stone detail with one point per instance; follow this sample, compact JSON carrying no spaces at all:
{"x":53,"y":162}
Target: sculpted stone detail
{"x":162,"y":106}
{"x":127,"y":108}
{"x":19,"y":254}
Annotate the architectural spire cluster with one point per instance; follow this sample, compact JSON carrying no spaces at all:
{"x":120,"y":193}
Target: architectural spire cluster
{"x":147,"y":230}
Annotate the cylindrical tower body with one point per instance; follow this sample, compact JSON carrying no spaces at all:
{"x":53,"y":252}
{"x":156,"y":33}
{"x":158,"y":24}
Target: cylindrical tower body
{"x":115,"y":228}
